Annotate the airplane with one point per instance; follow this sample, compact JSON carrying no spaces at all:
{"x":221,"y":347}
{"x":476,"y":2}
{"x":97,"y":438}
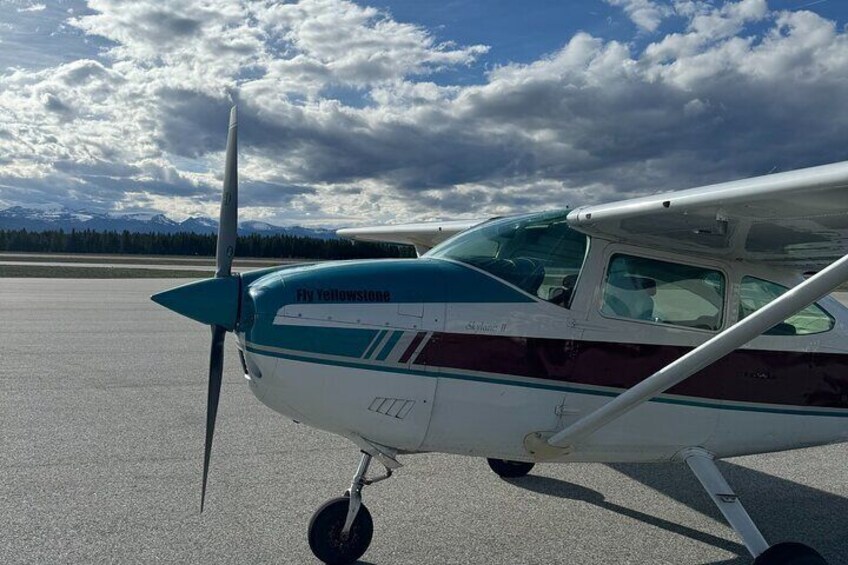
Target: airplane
{"x":684,"y":326}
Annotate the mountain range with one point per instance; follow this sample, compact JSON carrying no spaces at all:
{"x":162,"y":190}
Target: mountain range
{"x":34,"y":219}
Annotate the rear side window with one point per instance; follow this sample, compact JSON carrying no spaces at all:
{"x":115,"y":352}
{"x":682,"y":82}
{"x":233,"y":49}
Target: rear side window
{"x":668,"y":293}
{"x":756,"y":293}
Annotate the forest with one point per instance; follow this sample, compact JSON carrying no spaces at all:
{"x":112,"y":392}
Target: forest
{"x":186,"y":243}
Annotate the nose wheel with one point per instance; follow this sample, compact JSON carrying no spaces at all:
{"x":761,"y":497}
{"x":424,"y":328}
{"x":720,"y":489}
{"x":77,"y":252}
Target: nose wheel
{"x":340,"y":531}
{"x":326,"y":538}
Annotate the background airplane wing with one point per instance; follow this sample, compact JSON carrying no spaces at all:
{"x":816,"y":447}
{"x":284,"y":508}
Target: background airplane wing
{"x":423,"y":235}
{"x":797,"y":218}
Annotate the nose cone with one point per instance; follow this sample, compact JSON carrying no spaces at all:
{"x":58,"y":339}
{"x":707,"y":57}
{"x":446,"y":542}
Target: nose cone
{"x":210,"y":301}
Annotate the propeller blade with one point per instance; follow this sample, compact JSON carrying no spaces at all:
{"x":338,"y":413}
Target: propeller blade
{"x":216,"y":370}
{"x":228,"y":220}
{"x":227,"y":231}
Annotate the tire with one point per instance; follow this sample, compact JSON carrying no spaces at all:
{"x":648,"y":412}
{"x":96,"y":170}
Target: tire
{"x":510,"y":469}
{"x":790,"y":553}
{"x":325,"y":530}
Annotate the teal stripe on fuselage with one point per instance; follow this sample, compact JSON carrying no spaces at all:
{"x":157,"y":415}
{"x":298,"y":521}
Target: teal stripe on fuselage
{"x":377,"y":341}
{"x":343,"y":342}
{"x":561,"y":387}
{"x":390,"y":344}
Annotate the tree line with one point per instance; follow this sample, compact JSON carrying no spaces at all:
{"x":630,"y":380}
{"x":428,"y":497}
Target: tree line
{"x":186,"y":243}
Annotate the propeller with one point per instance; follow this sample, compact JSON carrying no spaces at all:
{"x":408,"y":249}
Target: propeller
{"x":227,"y":224}
{"x":227,"y":231}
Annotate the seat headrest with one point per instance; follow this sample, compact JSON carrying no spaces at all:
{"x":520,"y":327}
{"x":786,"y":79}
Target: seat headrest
{"x":630,"y":282}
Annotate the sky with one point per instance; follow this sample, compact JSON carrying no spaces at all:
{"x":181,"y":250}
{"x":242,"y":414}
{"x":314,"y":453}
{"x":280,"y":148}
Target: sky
{"x":386,"y":111}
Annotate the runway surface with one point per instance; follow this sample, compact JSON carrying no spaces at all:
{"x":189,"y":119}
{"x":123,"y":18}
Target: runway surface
{"x":102,"y":411}
{"x":152,"y":262}
{"x":208,"y":268}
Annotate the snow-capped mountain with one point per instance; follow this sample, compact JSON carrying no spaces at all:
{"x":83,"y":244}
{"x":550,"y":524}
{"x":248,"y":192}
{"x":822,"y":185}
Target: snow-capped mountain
{"x":34,"y":219}
{"x":201,"y":225}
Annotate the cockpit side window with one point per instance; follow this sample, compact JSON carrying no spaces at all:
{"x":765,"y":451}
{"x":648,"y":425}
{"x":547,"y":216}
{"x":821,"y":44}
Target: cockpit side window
{"x":669,"y":293}
{"x":755,"y":293}
{"x":539,"y":253}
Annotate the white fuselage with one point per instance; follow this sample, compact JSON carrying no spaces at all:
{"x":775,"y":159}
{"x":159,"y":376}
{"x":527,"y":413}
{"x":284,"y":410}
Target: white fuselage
{"x":389,"y":393}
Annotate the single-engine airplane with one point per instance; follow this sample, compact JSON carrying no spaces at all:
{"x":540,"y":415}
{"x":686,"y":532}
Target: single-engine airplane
{"x":673,"y":327}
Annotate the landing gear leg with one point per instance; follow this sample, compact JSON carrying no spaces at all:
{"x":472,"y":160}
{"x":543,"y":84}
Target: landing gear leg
{"x":340,"y":531}
{"x":788,"y":553}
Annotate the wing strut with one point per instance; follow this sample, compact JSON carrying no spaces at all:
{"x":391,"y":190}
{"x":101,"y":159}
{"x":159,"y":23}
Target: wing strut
{"x":740,"y":333}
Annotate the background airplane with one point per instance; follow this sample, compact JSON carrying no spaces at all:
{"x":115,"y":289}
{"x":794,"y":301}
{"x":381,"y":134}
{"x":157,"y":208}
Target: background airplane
{"x":673,"y":327}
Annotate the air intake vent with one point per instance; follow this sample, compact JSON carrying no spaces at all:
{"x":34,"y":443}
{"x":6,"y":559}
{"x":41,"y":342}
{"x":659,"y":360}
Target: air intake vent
{"x":243,"y":363}
{"x":392,"y":407}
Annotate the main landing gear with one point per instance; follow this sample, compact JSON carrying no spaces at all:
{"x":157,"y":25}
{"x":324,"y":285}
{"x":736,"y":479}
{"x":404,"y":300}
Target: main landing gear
{"x":510,"y":469}
{"x":340,"y":531}
{"x":787,"y":553}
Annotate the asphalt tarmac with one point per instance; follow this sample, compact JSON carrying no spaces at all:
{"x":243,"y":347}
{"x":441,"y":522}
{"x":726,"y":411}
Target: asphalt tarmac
{"x":152,"y":262}
{"x":102,"y":411}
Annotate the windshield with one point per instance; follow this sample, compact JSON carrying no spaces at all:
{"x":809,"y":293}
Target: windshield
{"x":538,"y":253}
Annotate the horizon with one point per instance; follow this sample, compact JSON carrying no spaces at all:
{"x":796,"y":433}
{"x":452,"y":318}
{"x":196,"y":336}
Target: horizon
{"x":53,"y":209}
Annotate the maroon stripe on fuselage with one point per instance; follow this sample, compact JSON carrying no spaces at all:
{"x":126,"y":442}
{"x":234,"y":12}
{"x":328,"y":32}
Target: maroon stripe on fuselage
{"x":416,"y":341}
{"x":772,"y":377}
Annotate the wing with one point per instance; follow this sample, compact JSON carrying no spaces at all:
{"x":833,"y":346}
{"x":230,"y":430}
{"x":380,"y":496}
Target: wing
{"x":797,"y":218}
{"x":423,"y":236}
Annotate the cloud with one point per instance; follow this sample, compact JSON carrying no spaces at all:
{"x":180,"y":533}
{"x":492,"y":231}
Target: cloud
{"x":346,"y":116}
{"x":32,"y":8}
{"x":646,"y":14}
{"x":341,"y":42}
